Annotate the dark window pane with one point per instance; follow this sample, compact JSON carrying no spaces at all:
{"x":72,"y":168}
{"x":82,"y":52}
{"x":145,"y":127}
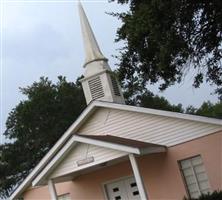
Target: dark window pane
{"x":133,"y":184}
{"x":136,"y":193}
{"x":118,"y":197}
{"x":115,"y":189}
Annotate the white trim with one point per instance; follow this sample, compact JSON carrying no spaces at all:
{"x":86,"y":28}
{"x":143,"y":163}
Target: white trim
{"x":138,"y":178}
{"x":52,"y":164}
{"x":104,"y":191}
{"x":158,"y":112}
{"x":52,"y":190}
{"x":109,"y":145}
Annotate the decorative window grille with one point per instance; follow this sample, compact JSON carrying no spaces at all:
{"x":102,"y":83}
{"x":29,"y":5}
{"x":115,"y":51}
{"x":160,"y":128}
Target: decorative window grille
{"x":195,"y":176}
{"x":115,"y":86}
{"x":64,"y":197}
{"x":96,"y":88}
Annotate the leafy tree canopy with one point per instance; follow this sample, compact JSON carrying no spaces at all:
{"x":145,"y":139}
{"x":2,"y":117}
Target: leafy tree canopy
{"x":149,"y":100}
{"x":215,"y":195}
{"x":34,"y":126}
{"x":207,"y":109}
{"x":166,"y":39}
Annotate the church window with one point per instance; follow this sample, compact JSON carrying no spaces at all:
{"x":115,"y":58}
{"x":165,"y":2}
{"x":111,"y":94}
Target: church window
{"x":195,"y":176}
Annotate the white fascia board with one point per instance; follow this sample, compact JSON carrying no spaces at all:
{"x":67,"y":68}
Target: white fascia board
{"x":53,"y":163}
{"x":63,"y":152}
{"x":108,"y":145}
{"x":27,"y":181}
{"x":158,"y":112}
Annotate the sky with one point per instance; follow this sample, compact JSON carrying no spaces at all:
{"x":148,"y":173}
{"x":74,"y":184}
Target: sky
{"x":43,"y":38}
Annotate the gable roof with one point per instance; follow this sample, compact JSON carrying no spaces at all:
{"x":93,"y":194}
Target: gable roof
{"x":84,"y":116}
{"x":107,"y":141}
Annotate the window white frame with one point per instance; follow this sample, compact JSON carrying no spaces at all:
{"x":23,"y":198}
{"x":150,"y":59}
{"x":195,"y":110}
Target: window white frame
{"x":194,"y":174}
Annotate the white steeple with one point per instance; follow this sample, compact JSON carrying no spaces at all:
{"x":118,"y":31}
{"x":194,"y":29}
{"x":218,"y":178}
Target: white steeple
{"x":92,"y":49}
{"x":99,"y":82}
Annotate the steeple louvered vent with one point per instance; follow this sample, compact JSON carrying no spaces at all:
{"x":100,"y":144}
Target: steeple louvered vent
{"x":96,"y":88}
{"x":115,"y":86}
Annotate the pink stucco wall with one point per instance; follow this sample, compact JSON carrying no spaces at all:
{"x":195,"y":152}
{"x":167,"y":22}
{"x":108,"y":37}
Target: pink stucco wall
{"x":160,"y":172}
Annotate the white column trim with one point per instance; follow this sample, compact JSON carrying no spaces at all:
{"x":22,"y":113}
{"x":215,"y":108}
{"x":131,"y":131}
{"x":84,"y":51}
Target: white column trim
{"x":52,"y":190}
{"x":138,"y":178}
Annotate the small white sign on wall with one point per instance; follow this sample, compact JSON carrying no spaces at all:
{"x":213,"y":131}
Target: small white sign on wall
{"x":85,"y":161}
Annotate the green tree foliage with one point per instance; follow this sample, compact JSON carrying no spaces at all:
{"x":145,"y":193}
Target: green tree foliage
{"x":207,"y":109}
{"x":166,"y":39}
{"x":149,"y":100}
{"x":216,"y":195}
{"x":34,"y":126}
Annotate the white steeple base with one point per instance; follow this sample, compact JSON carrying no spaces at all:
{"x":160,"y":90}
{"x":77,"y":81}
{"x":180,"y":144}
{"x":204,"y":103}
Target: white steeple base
{"x":102,"y":86}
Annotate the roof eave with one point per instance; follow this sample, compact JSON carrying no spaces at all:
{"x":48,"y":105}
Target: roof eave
{"x":159,"y":112}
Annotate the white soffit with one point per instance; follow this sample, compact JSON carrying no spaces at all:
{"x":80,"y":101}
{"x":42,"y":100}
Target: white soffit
{"x":147,"y":148}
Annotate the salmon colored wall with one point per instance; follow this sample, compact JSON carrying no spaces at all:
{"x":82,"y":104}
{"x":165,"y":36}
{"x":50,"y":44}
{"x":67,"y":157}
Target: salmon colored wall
{"x":160,"y":172}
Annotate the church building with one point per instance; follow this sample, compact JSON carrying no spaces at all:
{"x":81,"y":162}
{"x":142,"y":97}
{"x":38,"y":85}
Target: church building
{"x":121,"y":152}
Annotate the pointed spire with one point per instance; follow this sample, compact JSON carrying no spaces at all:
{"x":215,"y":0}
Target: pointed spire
{"x":92,"y":49}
